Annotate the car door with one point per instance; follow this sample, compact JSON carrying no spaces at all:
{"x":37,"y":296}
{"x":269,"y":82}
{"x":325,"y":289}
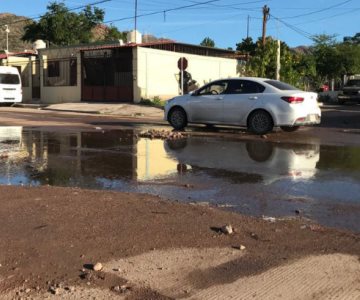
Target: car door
{"x":241,"y":97}
{"x":206,"y":105}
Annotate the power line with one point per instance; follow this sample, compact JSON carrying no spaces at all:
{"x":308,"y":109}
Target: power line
{"x":164,"y":11}
{"x":294,"y":28}
{"x":318,"y":11}
{"x":70,"y":9}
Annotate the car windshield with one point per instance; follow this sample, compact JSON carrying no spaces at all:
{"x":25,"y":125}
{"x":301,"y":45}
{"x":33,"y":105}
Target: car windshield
{"x":353,"y":82}
{"x":281,"y":85}
{"x":9,"y":79}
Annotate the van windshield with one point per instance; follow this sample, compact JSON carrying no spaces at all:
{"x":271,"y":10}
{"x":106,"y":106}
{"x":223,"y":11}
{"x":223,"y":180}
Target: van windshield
{"x":9,"y":79}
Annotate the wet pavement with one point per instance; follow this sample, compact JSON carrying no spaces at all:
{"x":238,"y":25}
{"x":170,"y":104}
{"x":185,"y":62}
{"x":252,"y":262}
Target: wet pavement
{"x":256,"y":178}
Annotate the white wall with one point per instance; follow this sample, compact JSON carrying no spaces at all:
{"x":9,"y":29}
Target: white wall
{"x":157,"y":71}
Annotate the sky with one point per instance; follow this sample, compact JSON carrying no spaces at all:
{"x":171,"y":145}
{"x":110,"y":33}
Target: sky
{"x":224,"y":21}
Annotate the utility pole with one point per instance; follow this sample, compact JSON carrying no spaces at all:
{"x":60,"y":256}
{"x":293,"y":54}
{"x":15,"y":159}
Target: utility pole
{"x":135,"y":25}
{"x":247,"y":28}
{"x":7,"y":30}
{"x":266,"y":16}
{"x":278,"y":66}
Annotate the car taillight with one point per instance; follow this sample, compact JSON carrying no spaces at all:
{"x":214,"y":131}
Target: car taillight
{"x":293,"y":99}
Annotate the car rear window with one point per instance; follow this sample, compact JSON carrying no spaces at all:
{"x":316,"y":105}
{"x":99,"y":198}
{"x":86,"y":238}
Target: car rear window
{"x":9,"y":79}
{"x":281,"y":85}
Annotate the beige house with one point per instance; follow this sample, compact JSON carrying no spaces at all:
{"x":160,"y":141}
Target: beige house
{"x":122,"y":73}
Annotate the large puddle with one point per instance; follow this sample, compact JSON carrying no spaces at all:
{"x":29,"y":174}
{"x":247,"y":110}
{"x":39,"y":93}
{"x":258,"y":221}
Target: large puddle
{"x":254,"y":177}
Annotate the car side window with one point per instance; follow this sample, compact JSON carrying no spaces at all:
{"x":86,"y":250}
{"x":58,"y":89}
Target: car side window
{"x":244,"y":87}
{"x":215,"y":88}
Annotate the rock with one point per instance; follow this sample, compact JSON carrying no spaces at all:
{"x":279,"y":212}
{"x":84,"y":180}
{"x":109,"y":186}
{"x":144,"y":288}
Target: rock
{"x":116,"y":270}
{"x":269,"y":219}
{"x":254,"y":236}
{"x":97,"y":267}
{"x":240,"y":247}
{"x":27,"y":290}
{"x":116,"y":289}
{"x":264,"y":136}
{"x":297,"y":211}
{"x":54,"y":290}
{"x":124,"y":288}
{"x":227,"y":229}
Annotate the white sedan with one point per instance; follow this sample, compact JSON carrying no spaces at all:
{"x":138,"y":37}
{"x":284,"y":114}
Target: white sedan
{"x":256,"y":103}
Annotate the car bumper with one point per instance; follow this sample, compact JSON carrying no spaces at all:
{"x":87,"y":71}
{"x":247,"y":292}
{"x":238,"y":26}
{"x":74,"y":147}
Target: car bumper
{"x":310,"y":119}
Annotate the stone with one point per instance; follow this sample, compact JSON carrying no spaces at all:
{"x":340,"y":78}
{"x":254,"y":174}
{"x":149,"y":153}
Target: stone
{"x":97,"y":267}
{"x":227,"y":229}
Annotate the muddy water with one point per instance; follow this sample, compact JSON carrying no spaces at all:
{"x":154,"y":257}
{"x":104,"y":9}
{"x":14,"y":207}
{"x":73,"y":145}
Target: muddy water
{"x":254,"y":177}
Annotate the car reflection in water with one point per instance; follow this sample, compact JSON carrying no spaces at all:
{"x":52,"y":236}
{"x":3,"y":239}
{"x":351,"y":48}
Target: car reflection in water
{"x":251,"y":161}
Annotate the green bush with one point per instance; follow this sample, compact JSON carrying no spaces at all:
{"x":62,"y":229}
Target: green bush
{"x":156,"y":102}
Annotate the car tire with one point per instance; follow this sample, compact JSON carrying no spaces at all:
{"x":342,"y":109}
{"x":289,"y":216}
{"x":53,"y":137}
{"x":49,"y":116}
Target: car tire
{"x":289,"y":128}
{"x":176,"y":144}
{"x":177,"y":118}
{"x":260,"y":122}
{"x":259,"y":151}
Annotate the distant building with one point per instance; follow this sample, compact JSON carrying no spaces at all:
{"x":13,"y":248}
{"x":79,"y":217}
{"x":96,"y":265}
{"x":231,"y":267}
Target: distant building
{"x":120,"y":72}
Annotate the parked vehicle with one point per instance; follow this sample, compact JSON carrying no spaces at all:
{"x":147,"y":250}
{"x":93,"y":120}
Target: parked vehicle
{"x":350,"y":91}
{"x":256,"y":103}
{"x":10,"y":85}
{"x":268,"y":160}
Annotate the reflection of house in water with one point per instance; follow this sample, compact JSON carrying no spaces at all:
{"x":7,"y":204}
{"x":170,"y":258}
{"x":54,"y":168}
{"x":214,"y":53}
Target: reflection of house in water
{"x":85,"y":158}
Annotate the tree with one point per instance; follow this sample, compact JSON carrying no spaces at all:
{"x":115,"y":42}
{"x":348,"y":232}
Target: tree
{"x":207,"y":42}
{"x":59,"y":26}
{"x":246,"y":46}
{"x":353,"y":39}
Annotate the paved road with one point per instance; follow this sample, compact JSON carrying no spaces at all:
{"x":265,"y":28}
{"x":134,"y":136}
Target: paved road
{"x":340,"y":124}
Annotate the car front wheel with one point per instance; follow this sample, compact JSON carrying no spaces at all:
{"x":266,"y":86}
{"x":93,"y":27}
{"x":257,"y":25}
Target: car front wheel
{"x":177,"y":118}
{"x":260,"y":122}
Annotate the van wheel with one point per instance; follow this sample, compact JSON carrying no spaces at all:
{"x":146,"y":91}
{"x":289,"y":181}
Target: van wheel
{"x":260,"y":122}
{"x":177,"y":118}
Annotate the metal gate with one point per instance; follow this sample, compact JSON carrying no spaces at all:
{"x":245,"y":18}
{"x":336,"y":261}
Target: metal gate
{"x":107,"y":75}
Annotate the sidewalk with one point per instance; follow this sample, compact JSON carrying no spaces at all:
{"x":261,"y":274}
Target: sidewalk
{"x":118,"y":109}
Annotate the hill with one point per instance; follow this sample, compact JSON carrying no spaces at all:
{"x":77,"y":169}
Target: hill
{"x":16,"y":26}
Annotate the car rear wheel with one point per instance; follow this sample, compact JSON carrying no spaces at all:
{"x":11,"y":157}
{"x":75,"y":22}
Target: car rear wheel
{"x":177,"y":118}
{"x":260,"y":122}
{"x":289,"y":128}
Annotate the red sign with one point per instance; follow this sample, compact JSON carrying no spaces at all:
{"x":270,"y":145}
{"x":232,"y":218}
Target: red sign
{"x":182,"y":63}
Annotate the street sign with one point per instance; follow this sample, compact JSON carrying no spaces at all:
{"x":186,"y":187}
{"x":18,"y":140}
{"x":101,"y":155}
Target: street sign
{"x":182,"y":63}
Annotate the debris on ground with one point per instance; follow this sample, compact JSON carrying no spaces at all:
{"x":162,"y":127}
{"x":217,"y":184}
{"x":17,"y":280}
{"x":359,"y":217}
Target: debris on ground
{"x":162,"y":134}
{"x":269,"y":219}
{"x":227,"y":229}
{"x":97,"y":267}
{"x":239,"y":247}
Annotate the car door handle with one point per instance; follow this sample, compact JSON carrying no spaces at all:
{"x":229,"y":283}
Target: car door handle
{"x":253,"y":98}
{"x":219,"y":98}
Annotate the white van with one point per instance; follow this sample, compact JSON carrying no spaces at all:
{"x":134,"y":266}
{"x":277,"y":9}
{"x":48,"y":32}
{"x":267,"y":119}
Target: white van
{"x":10,"y":85}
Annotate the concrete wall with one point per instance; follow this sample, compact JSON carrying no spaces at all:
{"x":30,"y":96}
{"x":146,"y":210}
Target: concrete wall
{"x":157,"y":73}
{"x":59,"y":94}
